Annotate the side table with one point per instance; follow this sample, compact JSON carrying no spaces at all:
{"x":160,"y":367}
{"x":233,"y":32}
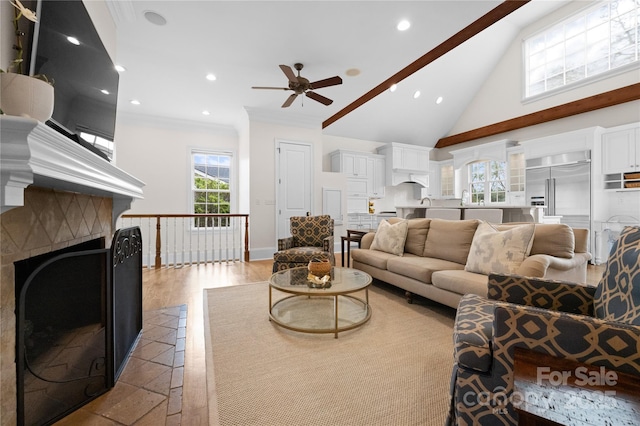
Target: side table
{"x":353,"y":235}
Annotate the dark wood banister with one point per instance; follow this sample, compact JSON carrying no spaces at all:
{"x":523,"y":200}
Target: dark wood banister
{"x":158,"y":259}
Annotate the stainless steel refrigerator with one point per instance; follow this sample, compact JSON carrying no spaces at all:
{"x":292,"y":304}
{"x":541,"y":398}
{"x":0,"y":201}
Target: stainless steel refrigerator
{"x":562,"y":183}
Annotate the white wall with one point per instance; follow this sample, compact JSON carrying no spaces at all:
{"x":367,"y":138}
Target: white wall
{"x":158,"y":153}
{"x":263,"y":136}
{"x":500,"y":97}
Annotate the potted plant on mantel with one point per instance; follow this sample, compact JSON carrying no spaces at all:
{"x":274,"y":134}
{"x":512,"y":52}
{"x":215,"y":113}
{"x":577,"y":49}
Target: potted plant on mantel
{"x":23,"y":95}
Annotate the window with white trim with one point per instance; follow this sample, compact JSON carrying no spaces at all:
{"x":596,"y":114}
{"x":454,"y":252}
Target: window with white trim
{"x":488,"y":182}
{"x":210,"y":186}
{"x":595,"y":41}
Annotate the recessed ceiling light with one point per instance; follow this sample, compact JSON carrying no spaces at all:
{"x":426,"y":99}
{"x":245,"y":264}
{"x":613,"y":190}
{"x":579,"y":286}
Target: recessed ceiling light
{"x":403,"y":25}
{"x":155,"y":18}
{"x":73,"y":40}
{"x":439,"y":100}
{"x":352,"y":72}
{"x":393,"y":87}
{"x":120,"y":68}
{"x":135,"y":102}
{"x":416,"y":95}
{"x":211,"y":77}
{"x":105,"y":91}
{"x":206,"y":112}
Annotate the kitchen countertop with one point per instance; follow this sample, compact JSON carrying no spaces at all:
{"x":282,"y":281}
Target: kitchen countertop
{"x":467,"y":206}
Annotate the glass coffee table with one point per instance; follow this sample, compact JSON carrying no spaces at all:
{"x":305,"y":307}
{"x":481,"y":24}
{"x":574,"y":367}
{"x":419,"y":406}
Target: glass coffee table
{"x":328,"y":309}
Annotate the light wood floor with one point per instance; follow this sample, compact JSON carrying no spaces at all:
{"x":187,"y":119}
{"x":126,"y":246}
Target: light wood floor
{"x":170,"y":287}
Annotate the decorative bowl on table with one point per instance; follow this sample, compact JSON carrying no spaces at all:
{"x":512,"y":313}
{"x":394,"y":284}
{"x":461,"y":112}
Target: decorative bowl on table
{"x":319,"y":267}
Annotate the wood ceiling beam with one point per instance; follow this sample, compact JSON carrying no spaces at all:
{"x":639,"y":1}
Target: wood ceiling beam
{"x":451,"y":43}
{"x":591,"y":103}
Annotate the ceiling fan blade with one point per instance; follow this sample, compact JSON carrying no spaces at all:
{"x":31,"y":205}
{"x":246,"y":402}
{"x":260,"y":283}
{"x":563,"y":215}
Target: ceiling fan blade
{"x":319,"y":98}
{"x":286,"y":69}
{"x":326,"y":82}
{"x":289,"y":100}
{"x":272,"y":88}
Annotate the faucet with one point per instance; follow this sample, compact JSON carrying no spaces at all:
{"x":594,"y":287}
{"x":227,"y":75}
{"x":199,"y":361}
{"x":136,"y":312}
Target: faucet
{"x":426,"y":198}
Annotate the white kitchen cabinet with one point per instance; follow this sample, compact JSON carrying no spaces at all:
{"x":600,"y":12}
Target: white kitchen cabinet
{"x":516,"y":163}
{"x":621,"y":150}
{"x":376,"y":175}
{"x":351,"y":163}
{"x":365,"y":177}
{"x":361,"y":221}
{"x":406,"y":158}
{"x":621,"y":158}
{"x":357,"y":187}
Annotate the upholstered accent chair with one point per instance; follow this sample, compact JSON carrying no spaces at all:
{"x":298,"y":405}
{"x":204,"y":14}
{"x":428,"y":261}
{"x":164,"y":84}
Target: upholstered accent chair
{"x":592,"y":325}
{"x":311,"y":238}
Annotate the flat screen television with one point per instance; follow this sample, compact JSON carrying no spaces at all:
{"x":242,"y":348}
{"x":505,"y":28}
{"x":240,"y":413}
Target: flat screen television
{"x":84,"y":77}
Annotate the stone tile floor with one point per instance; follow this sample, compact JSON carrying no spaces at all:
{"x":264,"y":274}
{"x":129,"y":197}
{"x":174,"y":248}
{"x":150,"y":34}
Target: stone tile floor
{"x":149,"y":389}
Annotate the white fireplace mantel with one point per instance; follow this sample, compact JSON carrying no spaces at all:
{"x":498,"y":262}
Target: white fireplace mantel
{"x":33,"y":153}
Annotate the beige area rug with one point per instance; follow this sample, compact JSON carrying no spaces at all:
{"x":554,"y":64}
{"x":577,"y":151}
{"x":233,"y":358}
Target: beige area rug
{"x":394,"y":370}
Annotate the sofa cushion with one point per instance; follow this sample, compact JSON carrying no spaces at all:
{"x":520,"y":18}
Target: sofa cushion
{"x":373,"y":258}
{"x":499,"y":252}
{"x":472,"y":333}
{"x":450,"y":239}
{"x":390,"y":238}
{"x":416,"y":235}
{"x":554,"y":239}
{"x":418,"y":267}
{"x":617,"y":297}
{"x":460,"y":281}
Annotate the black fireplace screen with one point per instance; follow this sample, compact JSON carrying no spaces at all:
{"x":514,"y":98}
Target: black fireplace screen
{"x":65,"y":333}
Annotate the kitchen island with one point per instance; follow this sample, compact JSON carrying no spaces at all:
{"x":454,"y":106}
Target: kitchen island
{"x":509,"y":213}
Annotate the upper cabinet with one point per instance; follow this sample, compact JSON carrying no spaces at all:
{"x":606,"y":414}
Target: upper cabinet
{"x":365,"y":172}
{"x":376,"y":175}
{"x":621,"y":157}
{"x":406,"y":158}
{"x":353,"y":164}
{"x":406,"y":163}
{"x":621,"y":150}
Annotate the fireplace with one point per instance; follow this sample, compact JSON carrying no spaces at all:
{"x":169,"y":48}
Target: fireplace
{"x":78,"y":316}
{"x":53,"y":194}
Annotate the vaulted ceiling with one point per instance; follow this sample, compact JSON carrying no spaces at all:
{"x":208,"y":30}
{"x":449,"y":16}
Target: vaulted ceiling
{"x":243,"y":43}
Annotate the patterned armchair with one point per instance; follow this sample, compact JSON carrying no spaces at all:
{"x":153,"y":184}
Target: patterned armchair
{"x":593,"y":325}
{"x":311,"y":237}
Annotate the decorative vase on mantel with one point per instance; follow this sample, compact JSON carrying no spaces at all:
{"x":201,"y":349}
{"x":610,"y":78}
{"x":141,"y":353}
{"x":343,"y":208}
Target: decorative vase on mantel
{"x":25,"y":96}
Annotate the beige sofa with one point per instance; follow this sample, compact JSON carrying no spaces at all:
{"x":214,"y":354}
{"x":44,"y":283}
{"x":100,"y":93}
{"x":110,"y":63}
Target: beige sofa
{"x":436,"y":252}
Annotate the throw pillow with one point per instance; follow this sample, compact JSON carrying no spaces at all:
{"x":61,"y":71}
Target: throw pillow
{"x":390,"y":238}
{"x":500,"y":252}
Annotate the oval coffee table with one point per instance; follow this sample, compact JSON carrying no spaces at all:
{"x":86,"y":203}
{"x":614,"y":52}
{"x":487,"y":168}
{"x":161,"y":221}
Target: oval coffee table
{"x":320,"y":310}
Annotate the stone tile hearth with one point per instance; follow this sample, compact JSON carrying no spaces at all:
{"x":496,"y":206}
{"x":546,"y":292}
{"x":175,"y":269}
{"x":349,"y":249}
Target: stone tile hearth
{"x":149,"y":390}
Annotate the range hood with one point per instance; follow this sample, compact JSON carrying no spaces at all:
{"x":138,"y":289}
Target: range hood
{"x":398,"y":177}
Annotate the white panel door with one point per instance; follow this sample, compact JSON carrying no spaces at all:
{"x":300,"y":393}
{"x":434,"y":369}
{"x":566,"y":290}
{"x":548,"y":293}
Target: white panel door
{"x":294,"y":185}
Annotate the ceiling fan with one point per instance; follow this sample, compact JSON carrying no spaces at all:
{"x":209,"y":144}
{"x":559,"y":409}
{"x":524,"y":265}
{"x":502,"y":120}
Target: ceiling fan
{"x":302,"y":86}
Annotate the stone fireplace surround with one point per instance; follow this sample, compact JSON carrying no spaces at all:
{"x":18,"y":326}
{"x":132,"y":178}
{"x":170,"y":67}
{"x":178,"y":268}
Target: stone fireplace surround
{"x":54,"y":194}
